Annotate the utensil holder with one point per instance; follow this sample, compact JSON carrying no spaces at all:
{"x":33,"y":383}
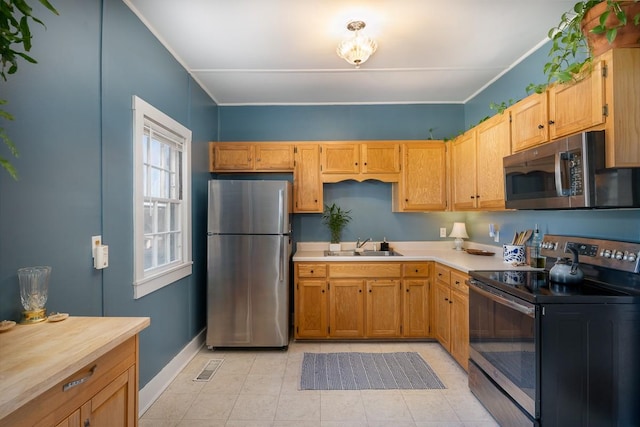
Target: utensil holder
{"x":513,"y":254}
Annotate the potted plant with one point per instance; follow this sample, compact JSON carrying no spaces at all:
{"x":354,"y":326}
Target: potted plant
{"x":591,"y":28}
{"x":336,"y":219}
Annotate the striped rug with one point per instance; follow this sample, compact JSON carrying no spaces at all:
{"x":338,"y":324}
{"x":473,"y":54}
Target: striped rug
{"x":362,"y":371}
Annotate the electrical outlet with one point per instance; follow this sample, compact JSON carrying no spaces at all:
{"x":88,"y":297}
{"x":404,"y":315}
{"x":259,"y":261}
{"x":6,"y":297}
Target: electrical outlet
{"x":95,"y":242}
{"x":443,"y":232}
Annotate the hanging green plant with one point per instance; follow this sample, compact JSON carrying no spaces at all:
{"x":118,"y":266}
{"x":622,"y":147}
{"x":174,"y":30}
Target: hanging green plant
{"x":15,"y":42}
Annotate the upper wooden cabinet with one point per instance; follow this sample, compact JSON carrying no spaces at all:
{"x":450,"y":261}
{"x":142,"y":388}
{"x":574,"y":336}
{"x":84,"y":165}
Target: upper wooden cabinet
{"x":622,"y":101}
{"x":463,"y":171}
{"x":251,"y":157}
{"x":492,"y":144}
{"x":423,"y":183}
{"x":529,"y":122}
{"x":477,"y":177}
{"x":577,"y":106}
{"x":307,"y":185}
{"x":360,"y":160}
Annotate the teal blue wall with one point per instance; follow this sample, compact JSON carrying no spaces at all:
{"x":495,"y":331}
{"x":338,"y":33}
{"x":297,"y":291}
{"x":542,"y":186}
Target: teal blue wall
{"x":73,"y":128}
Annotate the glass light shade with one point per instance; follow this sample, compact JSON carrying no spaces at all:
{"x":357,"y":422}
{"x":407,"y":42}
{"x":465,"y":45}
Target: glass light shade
{"x":357,"y":50}
{"x":459,"y":231}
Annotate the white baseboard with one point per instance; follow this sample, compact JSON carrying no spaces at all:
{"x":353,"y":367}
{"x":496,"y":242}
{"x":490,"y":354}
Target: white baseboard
{"x":154,"y":388}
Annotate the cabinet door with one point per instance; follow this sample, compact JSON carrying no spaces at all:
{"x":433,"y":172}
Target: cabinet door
{"x":114,"y":405}
{"x":423,"y":186}
{"x":232,"y":157}
{"x":383,"y":308}
{"x":274,"y":157}
{"x":340,"y":158}
{"x":74,"y":420}
{"x":380,"y":158}
{"x":529,"y":119}
{"x":307,"y":186}
{"x":311,"y":308}
{"x":346,"y":308}
{"x":460,"y":327}
{"x":463,"y":171}
{"x":577,"y":106}
{"x":415,"y":319}
{"x":493,"y":142}
{"x":442,"y":314}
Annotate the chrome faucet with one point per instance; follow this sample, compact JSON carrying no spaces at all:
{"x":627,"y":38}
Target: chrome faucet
{"x":359,"y":245}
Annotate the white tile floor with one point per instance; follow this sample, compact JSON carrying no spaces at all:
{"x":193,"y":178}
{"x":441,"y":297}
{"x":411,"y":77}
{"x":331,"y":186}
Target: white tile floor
{"x":260,"y":388}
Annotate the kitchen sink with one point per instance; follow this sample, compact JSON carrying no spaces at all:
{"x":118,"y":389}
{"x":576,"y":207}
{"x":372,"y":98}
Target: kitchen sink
{"x":363,"y":253}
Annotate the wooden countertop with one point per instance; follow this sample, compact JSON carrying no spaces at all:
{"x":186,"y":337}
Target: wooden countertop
{"x":34,"y":358}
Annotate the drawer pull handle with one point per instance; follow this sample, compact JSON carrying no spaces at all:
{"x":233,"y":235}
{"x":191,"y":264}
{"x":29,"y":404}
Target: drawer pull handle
{"x":72,"y":384}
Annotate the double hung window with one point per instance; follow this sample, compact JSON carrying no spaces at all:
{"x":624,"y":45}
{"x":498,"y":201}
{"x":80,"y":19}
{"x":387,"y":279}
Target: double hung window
{"x":162,"y":202}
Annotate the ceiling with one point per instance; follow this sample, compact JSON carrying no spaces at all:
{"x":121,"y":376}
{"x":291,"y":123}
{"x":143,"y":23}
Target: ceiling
{"x":283,"y":52}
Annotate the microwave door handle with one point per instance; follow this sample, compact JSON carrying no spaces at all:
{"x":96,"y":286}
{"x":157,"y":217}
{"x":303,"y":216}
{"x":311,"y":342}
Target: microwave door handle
{"x":560,"y":188}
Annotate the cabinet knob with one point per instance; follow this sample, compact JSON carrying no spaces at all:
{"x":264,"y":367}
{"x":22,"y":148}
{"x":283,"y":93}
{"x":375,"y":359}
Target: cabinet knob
{"x":323,"y":291}
{"x":356,"y":163}
{"x":311,"y":271}
{"x":365,"y":163}
{"x":369,"y":290}
{"x":450,"y":302}
{"x":416,"y":270}
{"x":551,"y":122}
{"x":473,"y":197}
{"x":540,"y":126}
{"x":360,"y":291}
{"x":446,"y":299}
{"x":406,"y":200}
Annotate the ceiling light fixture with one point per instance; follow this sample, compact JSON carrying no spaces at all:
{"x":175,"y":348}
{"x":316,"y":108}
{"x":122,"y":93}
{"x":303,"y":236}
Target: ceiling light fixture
{"x":358,"y":49}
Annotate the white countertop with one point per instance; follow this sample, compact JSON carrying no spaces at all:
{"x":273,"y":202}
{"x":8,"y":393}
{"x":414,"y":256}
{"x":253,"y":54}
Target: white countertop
{"x":441,"y":252}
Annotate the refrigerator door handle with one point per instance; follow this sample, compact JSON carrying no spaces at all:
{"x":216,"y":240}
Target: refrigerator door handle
{"x":281,"y":213}
{"x":282,"y":258}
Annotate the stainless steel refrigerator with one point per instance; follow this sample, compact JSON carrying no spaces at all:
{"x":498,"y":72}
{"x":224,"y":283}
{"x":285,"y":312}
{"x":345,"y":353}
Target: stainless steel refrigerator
{"x":249,"y":247}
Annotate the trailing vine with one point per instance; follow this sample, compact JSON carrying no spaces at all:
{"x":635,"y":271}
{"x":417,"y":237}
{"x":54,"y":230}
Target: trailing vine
{"x":15,"y":42}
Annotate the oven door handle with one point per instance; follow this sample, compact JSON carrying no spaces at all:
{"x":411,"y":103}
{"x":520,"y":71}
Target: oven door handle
{"x":529,"y":311}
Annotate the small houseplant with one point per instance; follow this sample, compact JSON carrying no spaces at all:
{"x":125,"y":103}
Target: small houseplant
{"x":336,"y":219}
{"x":591,"y":28}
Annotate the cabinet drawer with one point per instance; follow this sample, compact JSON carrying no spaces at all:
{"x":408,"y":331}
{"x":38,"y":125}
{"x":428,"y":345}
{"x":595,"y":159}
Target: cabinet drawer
{"x":416,"y":269}
{"x":459,"y":281}
{"x":312,"y":270}
{"x":363,"y":270}
{"x":60,"y":401}
{"x":443,"y":274}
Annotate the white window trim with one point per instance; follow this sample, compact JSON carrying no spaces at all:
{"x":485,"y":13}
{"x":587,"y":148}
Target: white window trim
{"x":145,"y":285}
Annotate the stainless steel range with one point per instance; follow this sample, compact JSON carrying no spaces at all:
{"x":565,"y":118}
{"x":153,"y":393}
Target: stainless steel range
{"x":557,"y":354}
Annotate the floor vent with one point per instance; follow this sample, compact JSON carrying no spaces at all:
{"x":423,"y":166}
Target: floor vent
{"x":209,"y":370}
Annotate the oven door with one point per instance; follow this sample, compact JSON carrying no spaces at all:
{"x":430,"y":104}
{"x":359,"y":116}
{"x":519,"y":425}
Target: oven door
{"x":504,"y":344}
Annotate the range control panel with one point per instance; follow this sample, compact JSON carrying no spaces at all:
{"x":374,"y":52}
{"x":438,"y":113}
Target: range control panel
{"x":614,"y":254}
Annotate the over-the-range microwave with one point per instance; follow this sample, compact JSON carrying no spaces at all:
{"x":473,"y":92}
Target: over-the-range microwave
{"x":569,"y":173}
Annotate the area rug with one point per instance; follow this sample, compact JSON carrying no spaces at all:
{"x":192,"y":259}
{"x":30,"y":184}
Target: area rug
{"x":362,"y":371}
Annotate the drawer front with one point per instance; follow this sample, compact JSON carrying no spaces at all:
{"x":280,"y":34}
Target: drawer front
{"x":416,"y":269}
{"x":60,"y":401}
{"x":459,"y":281}
{"x":443,"y":274}
{"x":312,"y":270}
{"x":363,"y":270}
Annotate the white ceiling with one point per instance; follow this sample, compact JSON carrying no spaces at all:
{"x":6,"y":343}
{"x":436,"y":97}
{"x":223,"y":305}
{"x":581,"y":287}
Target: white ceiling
{"x":270,"y":52}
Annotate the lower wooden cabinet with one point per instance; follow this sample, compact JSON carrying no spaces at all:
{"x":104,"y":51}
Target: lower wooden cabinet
{"x":101,"y":394}
{"x":451,"y":312}
{"x":356,"y":300}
